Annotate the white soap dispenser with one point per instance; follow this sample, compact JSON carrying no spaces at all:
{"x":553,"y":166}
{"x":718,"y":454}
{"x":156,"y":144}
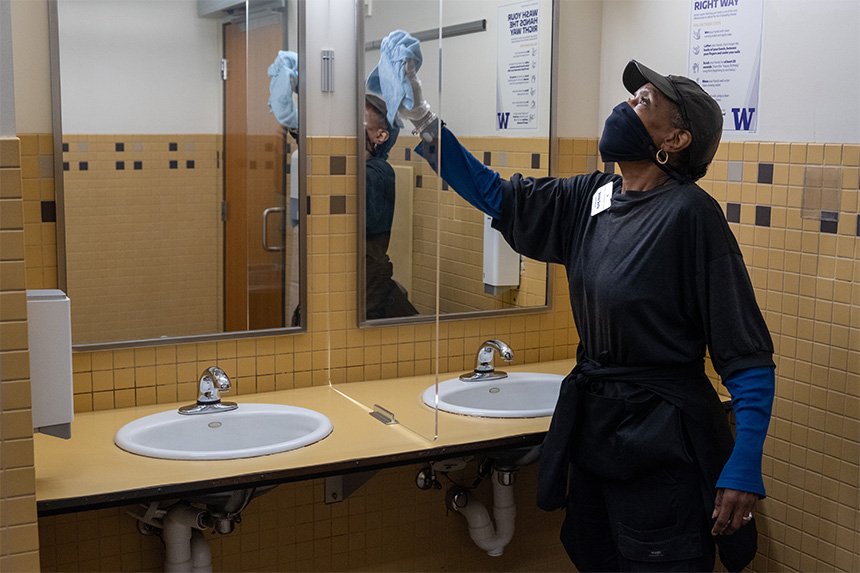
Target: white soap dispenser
{"x":49,"y":327}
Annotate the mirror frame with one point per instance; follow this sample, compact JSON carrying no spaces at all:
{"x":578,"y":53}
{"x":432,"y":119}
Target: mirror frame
{"x":361,"y":281}
{"x":56,"y":110}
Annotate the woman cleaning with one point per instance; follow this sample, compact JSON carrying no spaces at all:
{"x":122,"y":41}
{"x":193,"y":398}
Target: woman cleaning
{"x":639,"y":450}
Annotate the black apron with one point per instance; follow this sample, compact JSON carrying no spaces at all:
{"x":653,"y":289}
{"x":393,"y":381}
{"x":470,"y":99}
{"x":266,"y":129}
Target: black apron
{"x":615,"y":436}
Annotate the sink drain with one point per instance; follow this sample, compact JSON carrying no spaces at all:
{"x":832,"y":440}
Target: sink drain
{"x":214,"y":424}
{"x":495,"y":390}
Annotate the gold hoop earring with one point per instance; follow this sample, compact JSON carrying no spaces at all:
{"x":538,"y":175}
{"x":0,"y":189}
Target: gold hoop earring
{"x":662,"y":160}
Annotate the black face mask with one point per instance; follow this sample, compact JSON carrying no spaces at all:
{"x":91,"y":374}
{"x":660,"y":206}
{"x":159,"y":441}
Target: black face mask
{"x":625,"y":137}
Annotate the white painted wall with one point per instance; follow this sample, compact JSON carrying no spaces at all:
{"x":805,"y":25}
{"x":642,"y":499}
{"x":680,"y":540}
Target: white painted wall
{"x":117,"y":57}
{"x":811,"y":71}
{"x":810,"y":67}
{"x":7,"y":88}
{"x":330,"y":25}
{"x":31,"y":60}
{"x":810,"y":63}
{"x":579,"y":72}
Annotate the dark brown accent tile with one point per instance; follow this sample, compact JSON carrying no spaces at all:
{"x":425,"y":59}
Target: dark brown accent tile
{"x":337,"y":165}
{"x":829,"y":222}
{"x":762,"y":215}
{"x":765,"y":173}
{"x":829,"y":227}
{"x":49,"y":211}
{"x":337,"y":204}
{"x":733,"y":212}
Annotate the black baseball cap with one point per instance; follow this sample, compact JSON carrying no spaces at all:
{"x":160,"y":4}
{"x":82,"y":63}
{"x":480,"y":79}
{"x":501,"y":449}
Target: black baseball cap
{"x":700,"y":113}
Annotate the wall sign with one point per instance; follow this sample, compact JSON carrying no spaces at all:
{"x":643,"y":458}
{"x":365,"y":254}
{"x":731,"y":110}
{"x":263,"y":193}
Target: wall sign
{"x":725,"y":57}
{"x":517,"y":74}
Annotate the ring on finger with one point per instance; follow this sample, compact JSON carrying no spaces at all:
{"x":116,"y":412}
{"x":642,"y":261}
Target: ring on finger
{"x":748,"y":517}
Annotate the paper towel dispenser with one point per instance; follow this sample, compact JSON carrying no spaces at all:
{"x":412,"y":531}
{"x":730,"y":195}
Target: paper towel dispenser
{"x":501,"y":262}
{"x":49,"y":326}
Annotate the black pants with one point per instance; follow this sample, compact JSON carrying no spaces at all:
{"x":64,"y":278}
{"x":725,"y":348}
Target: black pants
{"x":654,"y":522}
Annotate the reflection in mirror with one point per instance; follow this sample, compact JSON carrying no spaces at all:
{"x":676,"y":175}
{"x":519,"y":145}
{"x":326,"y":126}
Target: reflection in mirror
{"x":386,"y":298}
{"x":482,"y":74}
{"x":180,"y":182}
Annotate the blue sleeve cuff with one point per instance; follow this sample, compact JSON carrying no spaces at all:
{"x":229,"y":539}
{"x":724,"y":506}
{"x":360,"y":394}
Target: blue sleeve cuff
{"x":471,"y":179}
{"x":752,"y":393}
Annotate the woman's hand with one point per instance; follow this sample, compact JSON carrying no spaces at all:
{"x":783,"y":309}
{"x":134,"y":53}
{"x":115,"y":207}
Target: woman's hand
{"x":732,"y":510}
{"x":420,"y":113}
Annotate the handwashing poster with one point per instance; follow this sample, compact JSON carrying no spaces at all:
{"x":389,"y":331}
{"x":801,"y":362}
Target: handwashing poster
{"x":725,"y":57}
{"x":517,"y":74}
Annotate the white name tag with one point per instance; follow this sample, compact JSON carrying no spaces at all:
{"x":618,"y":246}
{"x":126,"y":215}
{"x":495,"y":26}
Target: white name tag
{"x":601,"y":200}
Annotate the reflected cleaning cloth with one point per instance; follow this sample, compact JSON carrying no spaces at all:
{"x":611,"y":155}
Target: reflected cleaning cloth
{"x":284,"y":82}
{"x":388,"y":78}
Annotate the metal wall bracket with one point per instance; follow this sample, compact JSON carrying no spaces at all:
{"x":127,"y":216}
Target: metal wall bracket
{"x":433,"y":34}
{"x":383,"y":415}
{"x":338,"y":488}
{"x":327,"y":77}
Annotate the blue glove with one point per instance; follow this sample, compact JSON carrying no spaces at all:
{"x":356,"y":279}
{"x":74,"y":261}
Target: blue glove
{"x":752,"y":400}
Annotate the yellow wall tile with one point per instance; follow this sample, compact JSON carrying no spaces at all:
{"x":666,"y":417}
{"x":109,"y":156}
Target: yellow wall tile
{"x":810,"y":320}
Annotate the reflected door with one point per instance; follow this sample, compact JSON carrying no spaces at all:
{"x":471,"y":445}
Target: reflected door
{"x":260,"y":238}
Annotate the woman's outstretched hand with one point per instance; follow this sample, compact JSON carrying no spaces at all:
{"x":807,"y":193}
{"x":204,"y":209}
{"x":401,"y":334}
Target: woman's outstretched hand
{"x":420,"y":114}
{"x":732,"y":510}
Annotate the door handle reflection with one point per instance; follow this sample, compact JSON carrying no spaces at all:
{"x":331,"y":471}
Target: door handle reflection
{"x":266,"y":213}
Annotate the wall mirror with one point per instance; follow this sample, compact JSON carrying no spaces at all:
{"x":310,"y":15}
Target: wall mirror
{"x":179,"y":185}
{"x":487,"y":72}
{"x":483,"y":60}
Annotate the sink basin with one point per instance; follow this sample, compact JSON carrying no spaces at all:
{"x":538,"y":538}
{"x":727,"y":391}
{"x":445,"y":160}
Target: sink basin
{"x":249,"y":431}
{"x":520,"y":395}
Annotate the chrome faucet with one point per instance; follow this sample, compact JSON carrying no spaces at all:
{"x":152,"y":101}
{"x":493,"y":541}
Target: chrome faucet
{"x":484,"y":369}
{"x":213,"y":380}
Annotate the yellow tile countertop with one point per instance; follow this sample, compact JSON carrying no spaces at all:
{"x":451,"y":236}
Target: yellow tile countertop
{"x":89,"y":471}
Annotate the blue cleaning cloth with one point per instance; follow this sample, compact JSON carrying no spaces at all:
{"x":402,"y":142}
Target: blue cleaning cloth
{"x":388,"y":78}
{"x":284,"y":82}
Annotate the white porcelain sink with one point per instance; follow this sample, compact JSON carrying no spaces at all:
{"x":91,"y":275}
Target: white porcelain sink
{"x":249,"y":431}
{"x":520,"y":395}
